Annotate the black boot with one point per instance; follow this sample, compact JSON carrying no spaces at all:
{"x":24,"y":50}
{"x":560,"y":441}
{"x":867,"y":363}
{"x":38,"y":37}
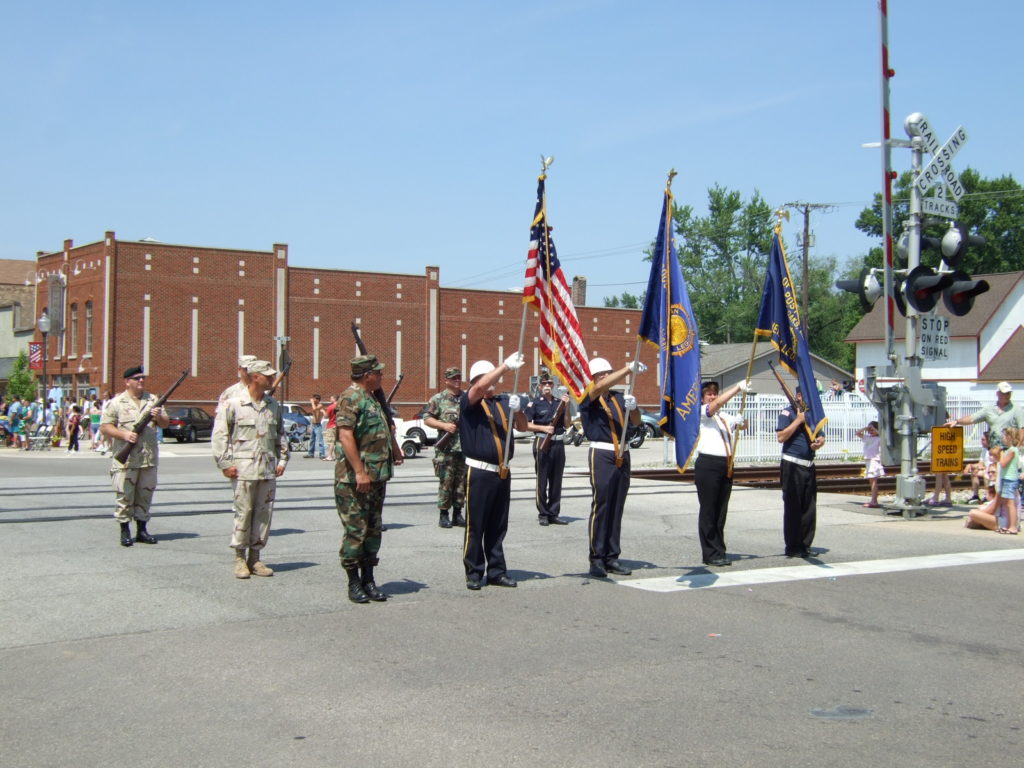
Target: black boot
{"x":126,"y":535}
{"x":141,"y":534}
{"x":457,"y":518}
{"x":369,"y":587}
{"x":355,"y":587}
{"x":443,"y":521}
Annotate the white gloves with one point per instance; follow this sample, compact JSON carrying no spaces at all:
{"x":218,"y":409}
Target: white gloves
{"x":637,"y":367}
{"x":514,"y":403}
{"x":630,"y":401}
{"x":515,"y":361}
{"x":744,"y":386}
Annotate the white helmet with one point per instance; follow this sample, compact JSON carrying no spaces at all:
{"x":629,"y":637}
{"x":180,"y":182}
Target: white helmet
{"x":599,"y":365}
{"x":479,"y":368}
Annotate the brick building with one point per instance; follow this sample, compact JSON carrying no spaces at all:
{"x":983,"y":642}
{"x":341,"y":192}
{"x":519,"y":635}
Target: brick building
{"x":115,"y":304}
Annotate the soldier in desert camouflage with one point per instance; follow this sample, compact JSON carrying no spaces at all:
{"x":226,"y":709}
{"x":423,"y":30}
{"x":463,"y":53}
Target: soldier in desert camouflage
{"x":135,"y":480}
{"x":251,"y":449}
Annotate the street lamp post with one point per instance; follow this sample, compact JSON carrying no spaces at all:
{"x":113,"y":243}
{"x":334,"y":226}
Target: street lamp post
{"x":43,"y":324}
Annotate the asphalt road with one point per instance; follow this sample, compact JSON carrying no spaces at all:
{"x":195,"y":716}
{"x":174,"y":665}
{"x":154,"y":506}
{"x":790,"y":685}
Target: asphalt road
{"x":157,"y":656}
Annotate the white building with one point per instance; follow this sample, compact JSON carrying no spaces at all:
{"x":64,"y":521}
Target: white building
{"x":986,"y":345}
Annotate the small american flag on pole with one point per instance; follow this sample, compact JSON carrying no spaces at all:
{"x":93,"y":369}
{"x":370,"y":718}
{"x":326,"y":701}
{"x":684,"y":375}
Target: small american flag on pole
{"x":561,"y":345}
{"x":35,"y":355}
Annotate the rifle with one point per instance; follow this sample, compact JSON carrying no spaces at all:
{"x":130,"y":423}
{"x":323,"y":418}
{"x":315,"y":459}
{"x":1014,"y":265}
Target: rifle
{"x":559,"y":411}
{"x":385,"y":401}
{"x":786,"y":391}
{"x":280,"y":376}
{"x":442,"y":442}
{"x":123,"y":454}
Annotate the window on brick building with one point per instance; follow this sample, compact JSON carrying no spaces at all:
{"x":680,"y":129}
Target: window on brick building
{"x":74,"y":330}
{"x":88,"y":327}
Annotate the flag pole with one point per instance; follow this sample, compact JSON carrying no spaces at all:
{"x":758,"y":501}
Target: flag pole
{"x":545,"y":163}
{"x":779,"y":213}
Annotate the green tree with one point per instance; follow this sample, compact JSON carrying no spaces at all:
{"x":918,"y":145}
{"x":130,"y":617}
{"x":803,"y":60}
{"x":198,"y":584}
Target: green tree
{"x":22,"y":382}
{"x":994,"y":208}
{"x":831,"y":313}
{"x":627,"y":300}
{"x":723,"y":257}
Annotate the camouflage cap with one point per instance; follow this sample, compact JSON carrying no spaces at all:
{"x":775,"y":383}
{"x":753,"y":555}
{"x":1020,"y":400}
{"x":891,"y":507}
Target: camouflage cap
{"x":245,"y":360}
{"x":261,"y":366}
{"x":453,"y":373}
{"x":365,"y":364}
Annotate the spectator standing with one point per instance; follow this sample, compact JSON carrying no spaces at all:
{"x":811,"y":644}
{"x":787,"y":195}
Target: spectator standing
{"x":873,"y":468}
{"x":331,"y":432}
{"x":1009,"y":472}
{"x":74,"y":423}
{"x":316,"y":427}
{"x":998,"y":417}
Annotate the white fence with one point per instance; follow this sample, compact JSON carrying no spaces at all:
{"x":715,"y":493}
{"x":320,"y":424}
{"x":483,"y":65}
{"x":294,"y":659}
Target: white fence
{"x":758,"y":443}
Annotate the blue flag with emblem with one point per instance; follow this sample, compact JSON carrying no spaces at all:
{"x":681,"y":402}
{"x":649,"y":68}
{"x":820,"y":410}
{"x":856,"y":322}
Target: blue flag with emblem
{"x":779,"y":322}
{"x":669,"y":325}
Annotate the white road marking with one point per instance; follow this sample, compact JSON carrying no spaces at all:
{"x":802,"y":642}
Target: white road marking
{"x":706,"y":580}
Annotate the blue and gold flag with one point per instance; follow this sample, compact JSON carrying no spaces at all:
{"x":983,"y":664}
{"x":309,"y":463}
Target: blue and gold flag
{"x":779,"y":321}
{"x":669,"y":325}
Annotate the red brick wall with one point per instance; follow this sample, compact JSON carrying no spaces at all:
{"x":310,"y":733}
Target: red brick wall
{"x":220,"y":282}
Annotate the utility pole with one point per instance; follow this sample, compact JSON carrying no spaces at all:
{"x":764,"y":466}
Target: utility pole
{"x":806,"y":209}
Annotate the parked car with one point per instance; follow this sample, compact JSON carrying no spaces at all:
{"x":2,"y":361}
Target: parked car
{"x":648,"y":427}
{"x":188,"y":424}
{"x":416,"y":429}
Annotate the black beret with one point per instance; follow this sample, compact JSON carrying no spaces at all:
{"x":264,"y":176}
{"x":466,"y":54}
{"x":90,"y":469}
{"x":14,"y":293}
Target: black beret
{"x":133,"y":371}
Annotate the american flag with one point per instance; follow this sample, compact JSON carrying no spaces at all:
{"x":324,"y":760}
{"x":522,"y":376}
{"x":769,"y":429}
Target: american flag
{"x":35,"y":355}
{"x":561,"y":345}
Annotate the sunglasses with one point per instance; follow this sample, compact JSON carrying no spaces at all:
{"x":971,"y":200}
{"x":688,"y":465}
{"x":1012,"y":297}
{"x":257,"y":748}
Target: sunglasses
{"x":138,"y":378}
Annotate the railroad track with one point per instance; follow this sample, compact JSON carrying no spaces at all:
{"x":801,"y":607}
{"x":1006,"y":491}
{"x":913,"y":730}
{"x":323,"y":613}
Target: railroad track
{"x":844,"y":477}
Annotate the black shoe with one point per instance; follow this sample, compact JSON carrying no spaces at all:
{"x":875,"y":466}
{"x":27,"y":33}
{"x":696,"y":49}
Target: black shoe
{"x":356,"y":593}
{"x":473,"y":584}
{"x":142,"y":535}
{"x":443,"y":521}
{"x":543,"y":521}
{"x":370,"y":586}
{"x":718,"y":561}
{"x":614,"y":566}
{"x":126,"y":535}
{"x":502,"y":581}
{"x":557,"y":521}
{"x":457,"y":519}
{"x":597,"y":570}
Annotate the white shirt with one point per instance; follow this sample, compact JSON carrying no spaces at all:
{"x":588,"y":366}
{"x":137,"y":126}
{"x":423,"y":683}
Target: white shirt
{"x":714,"y":432}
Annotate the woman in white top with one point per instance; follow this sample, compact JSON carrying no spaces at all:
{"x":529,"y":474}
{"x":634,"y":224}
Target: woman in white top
{"x":711,"y":471}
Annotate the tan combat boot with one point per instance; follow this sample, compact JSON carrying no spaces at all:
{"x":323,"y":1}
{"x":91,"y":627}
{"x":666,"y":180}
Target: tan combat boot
{"x":255,"y":566}
{"x":241,"y":567}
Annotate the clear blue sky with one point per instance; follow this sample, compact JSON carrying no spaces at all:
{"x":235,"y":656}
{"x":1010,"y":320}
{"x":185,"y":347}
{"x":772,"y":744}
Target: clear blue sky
{"x":393,"y":135}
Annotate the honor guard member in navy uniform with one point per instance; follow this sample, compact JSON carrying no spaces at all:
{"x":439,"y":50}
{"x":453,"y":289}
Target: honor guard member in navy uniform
{"x":369,"y":455}
{"x":711,"y":471}
{"x":483,"y":423}
{"x":135,"y":480}
{"x":799,"y":479}
{"x":442,"y":414}
{"x":602,"y":414}
{"x":550,"y":464}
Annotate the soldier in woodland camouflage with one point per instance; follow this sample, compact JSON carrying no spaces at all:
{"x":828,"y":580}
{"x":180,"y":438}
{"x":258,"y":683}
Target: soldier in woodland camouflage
{"x":442,"y":414}
{"x":134,"y":481}
{"x":251,"y":449}
{"x":368,"y":455}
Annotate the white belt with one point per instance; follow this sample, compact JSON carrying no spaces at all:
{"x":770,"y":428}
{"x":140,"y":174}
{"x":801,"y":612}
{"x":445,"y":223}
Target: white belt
{"x":795,"y":460}
{"x":606,"y":447}
{"x":481,"y":465}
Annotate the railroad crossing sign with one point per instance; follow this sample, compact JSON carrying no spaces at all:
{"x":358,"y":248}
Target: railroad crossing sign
{"x":940,"y":169}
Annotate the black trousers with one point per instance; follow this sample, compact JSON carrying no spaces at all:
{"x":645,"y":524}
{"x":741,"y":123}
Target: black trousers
{"x":609,"y":485}
{"x":550,"y":466}
{"x":799,"y":504}
{"x":487,"y":500}
{"x":714,"y":487}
